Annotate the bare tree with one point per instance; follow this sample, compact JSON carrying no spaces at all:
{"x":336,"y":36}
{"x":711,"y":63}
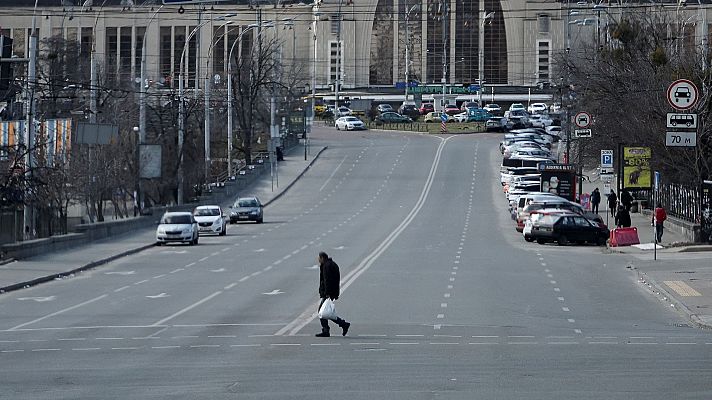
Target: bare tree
{"x":623,"y":83}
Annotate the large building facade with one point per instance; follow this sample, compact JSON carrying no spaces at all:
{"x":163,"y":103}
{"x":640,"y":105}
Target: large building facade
{"x":362,"y":42}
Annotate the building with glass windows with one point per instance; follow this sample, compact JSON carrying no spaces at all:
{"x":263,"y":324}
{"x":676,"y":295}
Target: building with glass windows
{"x":362,"y":43}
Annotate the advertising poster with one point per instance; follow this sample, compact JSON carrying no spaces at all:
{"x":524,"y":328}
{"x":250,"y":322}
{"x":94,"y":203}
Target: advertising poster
{"x":636,"y":168}
{"x":559,"y":179}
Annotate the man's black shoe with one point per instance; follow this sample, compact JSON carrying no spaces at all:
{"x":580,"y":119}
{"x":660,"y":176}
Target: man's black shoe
{"x":322,"y":334}
{"x":345,"y":328}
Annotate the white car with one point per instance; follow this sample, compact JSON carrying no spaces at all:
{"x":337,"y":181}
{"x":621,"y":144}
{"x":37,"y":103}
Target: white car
{"x":517,"y":107}
{"x":349,"y":124}
{"x":177,"y":227}
{"x":492,"y":108}
{"x":343,"y":111}
{"x":461,"y":117}
{"x":210,"y":220}
{"x":537,"y":108}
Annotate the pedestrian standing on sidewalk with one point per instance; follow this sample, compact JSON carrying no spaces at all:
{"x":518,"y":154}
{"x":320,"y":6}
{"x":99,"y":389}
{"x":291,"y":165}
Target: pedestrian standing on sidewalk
{"x":595,"y":200}
{"x":329,"y":278}
{"x":626,"y":199}
{"x":659,"y":216}
{"x":623,"y":217}
{"x":612,"y":202}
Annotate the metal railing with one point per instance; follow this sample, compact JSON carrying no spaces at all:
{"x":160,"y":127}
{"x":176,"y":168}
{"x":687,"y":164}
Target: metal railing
{"x":680,"y":201}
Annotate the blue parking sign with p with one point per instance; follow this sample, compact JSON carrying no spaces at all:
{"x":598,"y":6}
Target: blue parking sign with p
{"x":606,"y":158}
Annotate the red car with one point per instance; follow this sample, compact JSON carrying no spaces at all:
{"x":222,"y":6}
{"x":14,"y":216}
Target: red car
{"x":452,"y":109}
{"x":426,"y":108}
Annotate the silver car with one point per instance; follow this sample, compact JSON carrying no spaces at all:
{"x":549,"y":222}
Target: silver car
{"x":247,"y":209}
{"x":177,"y":227}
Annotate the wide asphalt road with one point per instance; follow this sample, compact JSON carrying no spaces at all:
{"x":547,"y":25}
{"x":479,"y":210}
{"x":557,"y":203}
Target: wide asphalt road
{"x":445,"y":299}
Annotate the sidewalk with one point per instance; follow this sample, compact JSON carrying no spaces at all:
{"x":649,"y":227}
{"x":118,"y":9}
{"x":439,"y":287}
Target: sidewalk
{"x":28,"y":272}
{"x":678,"y":274}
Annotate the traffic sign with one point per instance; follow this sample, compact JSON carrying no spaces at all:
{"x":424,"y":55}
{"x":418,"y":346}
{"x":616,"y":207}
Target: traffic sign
{"x":606,"y":159}
{"x":682,"y":120}
{"x":443,"y":117}
{"x":582,"y":133}
{"x":682,"y":94}
{"x":681,"y":139}
{"x":582,"y":119}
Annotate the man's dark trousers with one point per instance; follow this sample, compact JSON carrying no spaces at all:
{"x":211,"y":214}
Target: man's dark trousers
{"x":325,"y":322}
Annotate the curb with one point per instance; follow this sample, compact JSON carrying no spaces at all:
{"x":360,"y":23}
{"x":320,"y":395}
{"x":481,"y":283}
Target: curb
{"x":85,"y":267}
{"x":280,"y":194}
{"x":679,"y":306}
{"x":94,"y":264}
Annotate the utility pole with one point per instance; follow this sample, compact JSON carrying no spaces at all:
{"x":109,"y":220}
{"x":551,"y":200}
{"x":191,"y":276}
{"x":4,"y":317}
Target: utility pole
{"x":316,"y":13}
{"x":407,"y":50}
{"x":445,"y":21}
{"x":481,"y":50}
{"x":338,"y":61}
{"x":28,"y":214}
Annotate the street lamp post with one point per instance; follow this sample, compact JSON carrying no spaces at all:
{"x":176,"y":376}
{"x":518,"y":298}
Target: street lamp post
{"x":181,"y":106}
{"x":312,"y":107}
{"x":407,"y":49}
{"x":481,"y":50}
{"x":142,"y":107}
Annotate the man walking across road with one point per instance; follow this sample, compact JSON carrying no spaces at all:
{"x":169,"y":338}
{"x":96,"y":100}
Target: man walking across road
{"x":329,"y":278}
{"x":659,"y":216}
{"x":595,"y":200}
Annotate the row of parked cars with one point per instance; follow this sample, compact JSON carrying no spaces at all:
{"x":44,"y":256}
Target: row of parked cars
{"x":540,"y":216}
{"x":186,"y":227}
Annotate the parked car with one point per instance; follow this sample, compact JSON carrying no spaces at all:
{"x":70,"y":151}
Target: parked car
{"x":349,"y":124}
{"x":493,"y":108}
{"x":343,"y":111}
{"x":568,"y":228}
{"x":500,"y":124}
{"x":426,"y":108}
{"x":409,"y":110}
{"x":384,"y":107}
{"x":477,"y":114}
{"x":534,"y":217}
{"x":177,"y":227}
{"x":537,"y":108}
{"x":392,"y":118}
{"x":434,"y":116}
{"x":517,"y":107}
{"x":247,"y":209}
{"x":518,"y":122}
{"x":461,"y":117}
{"x":451,"y":109}
{"x":468,"y":104}
{"x":210,"y":220}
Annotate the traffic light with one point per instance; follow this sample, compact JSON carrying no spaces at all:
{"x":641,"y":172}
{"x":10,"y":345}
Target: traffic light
{"x":5,"y":67}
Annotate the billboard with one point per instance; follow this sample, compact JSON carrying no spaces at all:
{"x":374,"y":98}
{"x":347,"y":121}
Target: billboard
{"x":559,"y":179}
{"x":636,"y":168}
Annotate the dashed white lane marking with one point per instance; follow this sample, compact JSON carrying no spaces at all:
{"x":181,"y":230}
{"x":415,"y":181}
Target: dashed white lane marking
{"x":324,"y":344}
{"x":58,"y":312}
{"x":190,"y":265}
{"x":245,"y":345}
{"x":577,"y":331}
{"x":141,"y":282}
{"x":72,"y":339}
{"x":222,"y":336}
{"x":121,"y":288}
{"x":201,"y":346}
{"x":410,"y":335}
{"x":552,"y":282}
{"x":87,"y":349}
{"x":109,"y":338}
{"x":560,"y":298}
{"x":443,"y":305}
{"x":176,"y":270}
{"x":446,"y":295}
{"x":565,"y":309}
{"x":267,"y":268}
{"x":12,"y":351}
{"x":557,"y":289}
{"x":244,"y":278}
{"x":166,"y":347}
{"x":159,"y":276}
{"x":571,"y":320}
{"x":37,"y":350}
{"x":205,"y":258}
{"x":484,"y":336}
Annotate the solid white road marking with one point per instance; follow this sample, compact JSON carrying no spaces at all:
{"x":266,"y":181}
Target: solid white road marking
{"x":230,"y":286}
{"x":59,"y":312}
{"x":120,"y":273}
{"x":186,"y":309}
{"x":308,"y":315}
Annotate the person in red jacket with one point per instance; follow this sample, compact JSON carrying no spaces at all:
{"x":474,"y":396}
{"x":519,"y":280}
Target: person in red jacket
{"x":659,"y":216}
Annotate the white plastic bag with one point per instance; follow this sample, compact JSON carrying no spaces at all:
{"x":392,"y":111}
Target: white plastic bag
{"x":327,"y":310}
